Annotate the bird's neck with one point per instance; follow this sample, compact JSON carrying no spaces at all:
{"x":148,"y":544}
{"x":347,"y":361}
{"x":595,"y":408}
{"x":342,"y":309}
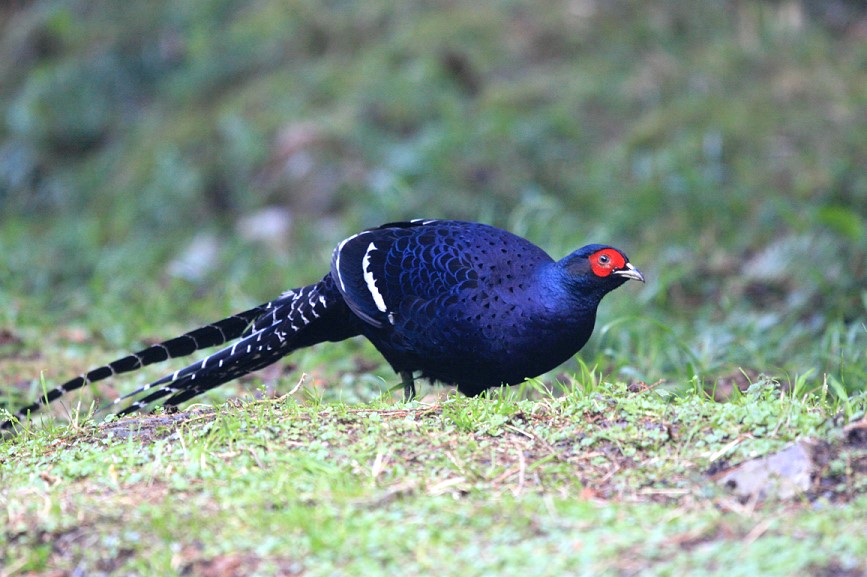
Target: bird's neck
{"x":568,"y":306}
{"x":575,"y":294}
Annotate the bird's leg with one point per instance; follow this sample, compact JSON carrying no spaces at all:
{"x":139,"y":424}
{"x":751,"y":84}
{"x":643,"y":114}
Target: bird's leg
{"x":408,"y":385}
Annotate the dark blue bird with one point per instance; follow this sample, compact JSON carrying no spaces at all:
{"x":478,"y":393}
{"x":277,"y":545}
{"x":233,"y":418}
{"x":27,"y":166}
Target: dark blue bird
{"x":457,"y":302}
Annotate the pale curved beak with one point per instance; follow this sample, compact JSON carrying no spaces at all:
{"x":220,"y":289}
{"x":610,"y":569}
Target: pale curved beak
{"x":630,"y":272}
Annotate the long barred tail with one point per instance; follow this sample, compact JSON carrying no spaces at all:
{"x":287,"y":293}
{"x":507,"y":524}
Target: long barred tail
{"x":207,"y":336}
{"x":298,"y":318}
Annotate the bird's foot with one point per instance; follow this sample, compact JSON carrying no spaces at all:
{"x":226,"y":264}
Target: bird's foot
{"x":408,"y":386}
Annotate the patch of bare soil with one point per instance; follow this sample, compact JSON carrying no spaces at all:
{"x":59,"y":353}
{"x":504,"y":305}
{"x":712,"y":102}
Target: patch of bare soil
{"x":836,"y":570}
{"x":724,"y":386}
{"x":192,"y":562}
{"x":843,"y":475}
{"x":150,"y":428}
{"x":7,"y":338}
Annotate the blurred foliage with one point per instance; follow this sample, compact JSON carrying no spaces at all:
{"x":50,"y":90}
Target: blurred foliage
{"x":720,"y":143}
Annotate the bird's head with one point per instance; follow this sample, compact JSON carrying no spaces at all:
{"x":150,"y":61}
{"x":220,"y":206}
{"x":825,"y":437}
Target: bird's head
{"x":599,"y":268}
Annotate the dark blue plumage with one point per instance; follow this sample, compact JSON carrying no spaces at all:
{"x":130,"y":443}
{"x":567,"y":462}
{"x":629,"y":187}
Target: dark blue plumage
{"x":456,"y":302}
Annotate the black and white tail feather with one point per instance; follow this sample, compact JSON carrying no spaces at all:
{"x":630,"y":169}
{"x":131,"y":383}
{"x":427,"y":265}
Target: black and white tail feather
{"x":266,"y":332}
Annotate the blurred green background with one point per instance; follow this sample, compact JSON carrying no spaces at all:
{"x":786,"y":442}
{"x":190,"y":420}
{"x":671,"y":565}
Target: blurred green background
{"x":164,"y":163}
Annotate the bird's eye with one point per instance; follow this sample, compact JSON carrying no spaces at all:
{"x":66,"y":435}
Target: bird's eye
{"x":604,"y":259}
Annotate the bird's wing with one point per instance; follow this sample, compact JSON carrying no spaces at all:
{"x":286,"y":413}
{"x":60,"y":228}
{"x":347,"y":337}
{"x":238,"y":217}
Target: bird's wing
{"x":380,"y":269}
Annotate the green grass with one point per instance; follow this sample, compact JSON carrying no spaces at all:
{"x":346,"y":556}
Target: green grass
{"x":719,"y":143}
{"x":600,"y":480}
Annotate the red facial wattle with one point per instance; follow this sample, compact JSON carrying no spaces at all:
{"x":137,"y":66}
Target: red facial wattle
{"x":606,"y":261}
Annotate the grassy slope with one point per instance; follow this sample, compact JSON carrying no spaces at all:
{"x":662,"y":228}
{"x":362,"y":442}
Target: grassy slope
{"x":720,"y":143}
